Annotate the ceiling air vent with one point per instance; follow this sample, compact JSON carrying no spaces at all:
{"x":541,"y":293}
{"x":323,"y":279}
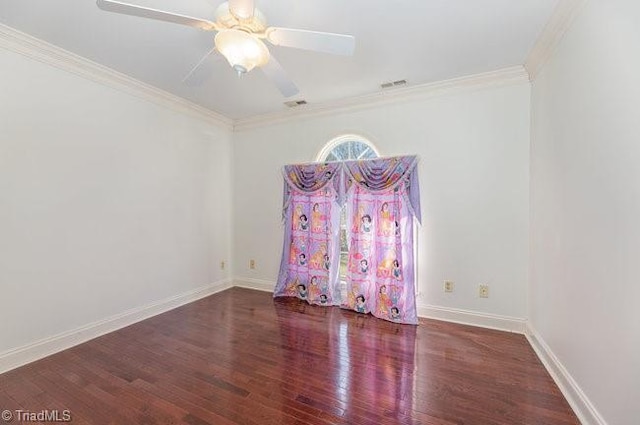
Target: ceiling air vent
{"x":294,"y":103}
{"x":391,"y":84}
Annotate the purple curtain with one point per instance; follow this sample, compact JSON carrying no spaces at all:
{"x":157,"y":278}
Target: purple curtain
{"x":382,"y":198}
{"x":311,"y":250}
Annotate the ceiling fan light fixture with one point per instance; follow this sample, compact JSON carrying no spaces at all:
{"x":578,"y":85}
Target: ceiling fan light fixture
{"x":241,"y":29}
{"x":242,"y":50}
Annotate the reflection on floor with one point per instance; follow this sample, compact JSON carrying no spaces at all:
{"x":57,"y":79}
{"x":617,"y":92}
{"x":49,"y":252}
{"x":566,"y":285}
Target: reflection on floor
{"x":241,"y":357}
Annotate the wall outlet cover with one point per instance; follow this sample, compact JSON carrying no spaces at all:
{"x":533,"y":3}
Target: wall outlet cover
{"x":448,"y":285}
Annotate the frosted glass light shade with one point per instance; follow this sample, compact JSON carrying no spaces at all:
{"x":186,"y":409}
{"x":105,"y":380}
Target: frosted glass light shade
{"x":242,"y":50}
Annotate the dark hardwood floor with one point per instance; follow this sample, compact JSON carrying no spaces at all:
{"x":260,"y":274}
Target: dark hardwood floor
{"x":240,"y":357}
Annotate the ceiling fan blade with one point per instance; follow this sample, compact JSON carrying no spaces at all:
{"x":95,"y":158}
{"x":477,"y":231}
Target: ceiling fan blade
{"x":337,"y":44}
{"x":200,"y":62}
{"x":242,"y":9}
{"x":276,"y":73}
{"x":145,"y":12}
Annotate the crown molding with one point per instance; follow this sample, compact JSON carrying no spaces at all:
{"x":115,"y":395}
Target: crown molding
{"x":501,"y":77}
{"x":559,"y":23}
{"x":34,"y":48}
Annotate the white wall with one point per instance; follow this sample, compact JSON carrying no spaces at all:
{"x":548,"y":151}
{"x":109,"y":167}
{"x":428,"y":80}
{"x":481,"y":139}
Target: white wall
{"x":474,"y":176}
{"x":107,"y":202}
{"x":585,"y":207}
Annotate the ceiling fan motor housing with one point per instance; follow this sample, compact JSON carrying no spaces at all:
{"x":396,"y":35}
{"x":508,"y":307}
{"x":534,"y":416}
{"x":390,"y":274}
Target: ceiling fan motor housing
{"x":255,"y":24}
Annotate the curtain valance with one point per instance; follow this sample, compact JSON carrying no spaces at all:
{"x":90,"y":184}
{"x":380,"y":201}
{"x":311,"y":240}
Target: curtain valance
{"x":373,"y":175}
{"x":383,"y":174}
{"x":310,"y":179}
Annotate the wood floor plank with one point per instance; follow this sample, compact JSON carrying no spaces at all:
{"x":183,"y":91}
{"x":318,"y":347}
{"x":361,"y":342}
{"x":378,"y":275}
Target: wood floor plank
{"x":241,"y":357}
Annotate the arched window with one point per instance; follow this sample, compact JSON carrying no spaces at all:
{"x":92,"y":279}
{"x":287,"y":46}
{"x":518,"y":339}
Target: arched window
{"x":345,"y":148}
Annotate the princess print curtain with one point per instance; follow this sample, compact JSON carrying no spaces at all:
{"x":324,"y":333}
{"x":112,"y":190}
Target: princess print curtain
{"x":382,"y":200}
{"x":311,"y":251}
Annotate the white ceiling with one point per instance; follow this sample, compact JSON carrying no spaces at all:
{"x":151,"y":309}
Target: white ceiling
{"x":421,"y":41}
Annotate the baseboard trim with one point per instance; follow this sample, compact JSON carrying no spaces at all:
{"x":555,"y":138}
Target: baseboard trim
{"x":31,"y":352}
{"x":464,"y":317}
{"x":257,"y":284}
{"x":20,"y":356}
{"x":473,"y":318}
{"x":577,"y":399}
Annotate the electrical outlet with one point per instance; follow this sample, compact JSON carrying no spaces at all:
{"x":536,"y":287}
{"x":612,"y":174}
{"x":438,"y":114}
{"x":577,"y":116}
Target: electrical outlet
{"x":221,"y":265}
{"x":448,"y":285}
{"x":483,"y":291}
{"x":252,"y":264}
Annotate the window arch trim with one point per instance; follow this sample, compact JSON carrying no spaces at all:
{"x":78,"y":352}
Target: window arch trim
{"x":336,"y":141}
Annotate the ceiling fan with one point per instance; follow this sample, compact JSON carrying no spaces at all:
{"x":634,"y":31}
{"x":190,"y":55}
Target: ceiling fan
{"x":241,"y":29}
